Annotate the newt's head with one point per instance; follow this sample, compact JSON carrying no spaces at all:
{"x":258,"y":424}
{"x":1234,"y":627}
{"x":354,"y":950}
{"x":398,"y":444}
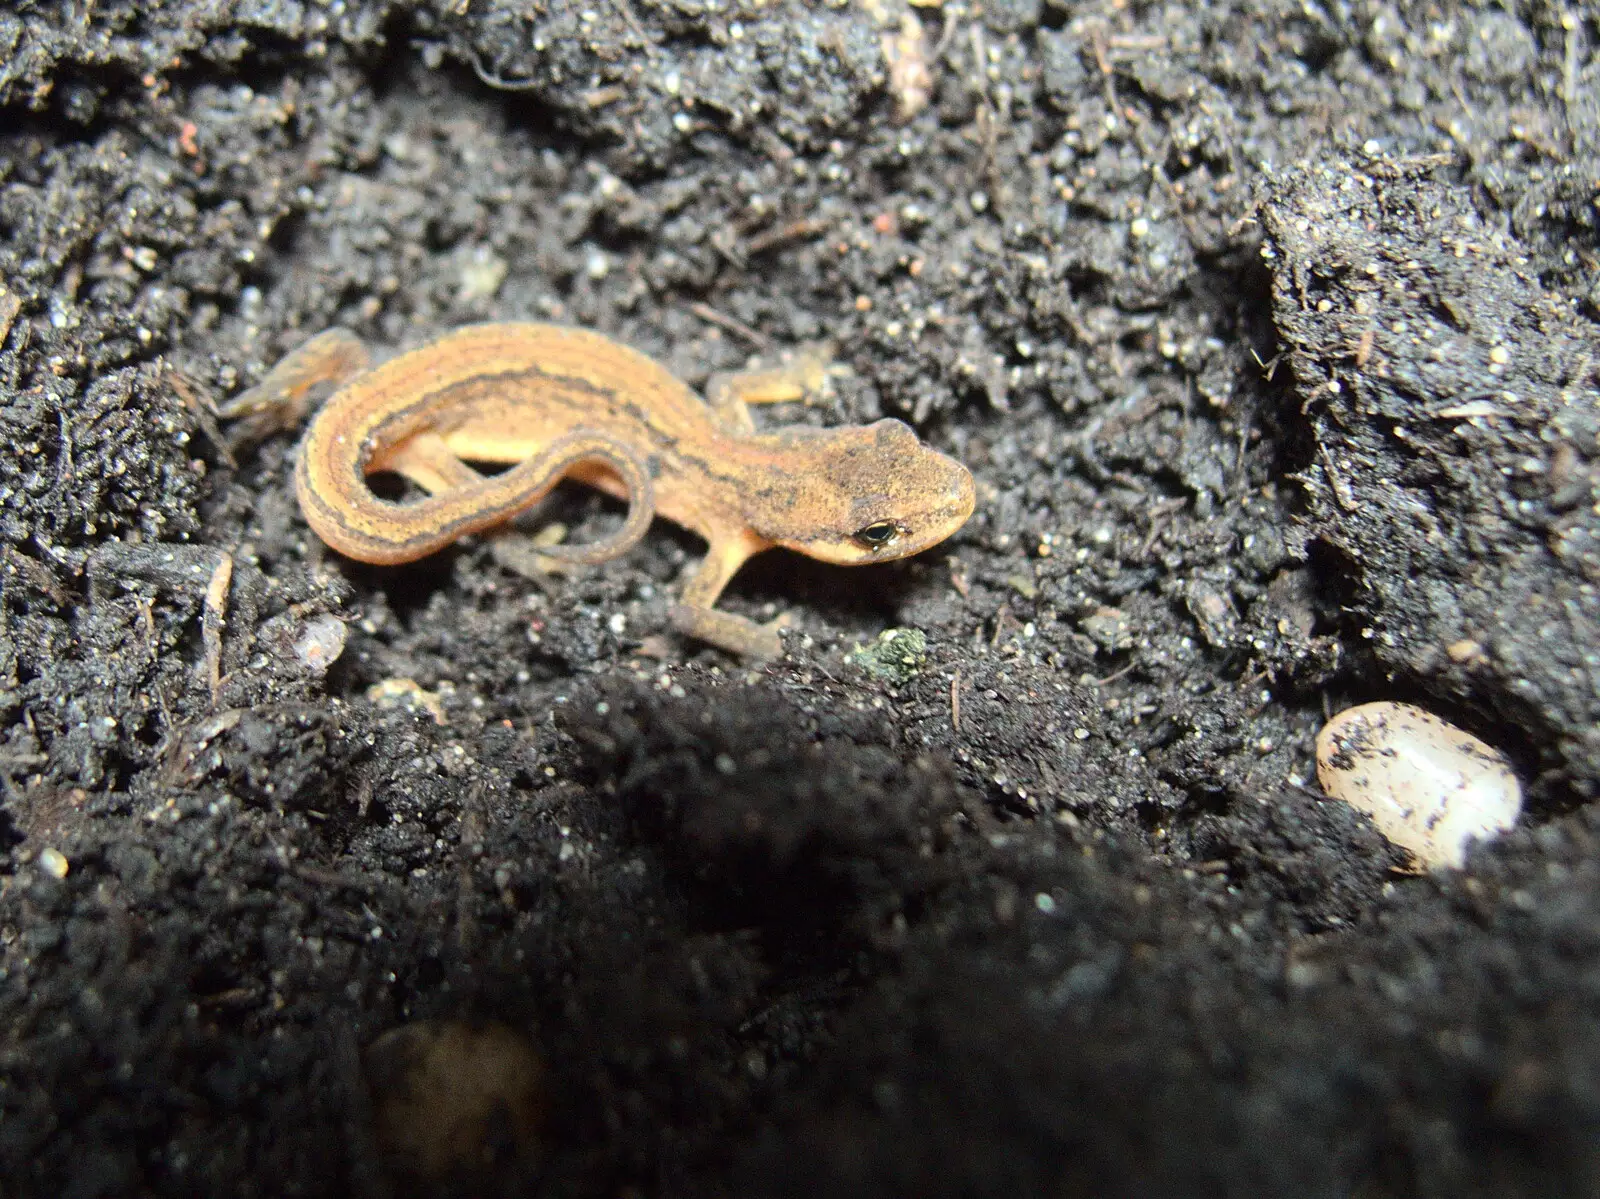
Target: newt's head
{"x":867,"y":494}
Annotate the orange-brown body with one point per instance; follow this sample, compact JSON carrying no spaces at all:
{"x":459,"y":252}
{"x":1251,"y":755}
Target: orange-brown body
{"x":556,"y":402}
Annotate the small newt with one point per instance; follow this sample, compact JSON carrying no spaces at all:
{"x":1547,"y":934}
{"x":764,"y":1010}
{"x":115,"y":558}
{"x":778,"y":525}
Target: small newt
{"x":556,"y":402}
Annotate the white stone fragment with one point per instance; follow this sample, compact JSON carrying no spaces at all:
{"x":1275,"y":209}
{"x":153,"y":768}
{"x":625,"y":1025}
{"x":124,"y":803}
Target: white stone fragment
{"x":320,"y":643}
{"x":1429,"y":787}
{"x":54,"y":863}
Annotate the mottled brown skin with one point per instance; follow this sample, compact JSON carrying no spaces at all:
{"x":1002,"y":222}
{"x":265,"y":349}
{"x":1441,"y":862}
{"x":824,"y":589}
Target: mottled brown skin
{"x":566,"y":403}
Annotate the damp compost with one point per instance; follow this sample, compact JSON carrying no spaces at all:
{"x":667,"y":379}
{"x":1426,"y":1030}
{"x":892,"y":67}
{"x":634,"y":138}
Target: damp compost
{"x":1271,"y":336}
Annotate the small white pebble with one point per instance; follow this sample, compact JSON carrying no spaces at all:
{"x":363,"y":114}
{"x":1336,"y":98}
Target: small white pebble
{"x":1428,"y":787}
{"x":320,"y":643}
{"x":53,"y":862}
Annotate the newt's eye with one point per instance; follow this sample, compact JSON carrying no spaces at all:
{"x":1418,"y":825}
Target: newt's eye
{"x":878,"y":534}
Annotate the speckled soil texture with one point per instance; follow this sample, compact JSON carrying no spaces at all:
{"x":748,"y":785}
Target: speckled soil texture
{"x":1272,"y":335}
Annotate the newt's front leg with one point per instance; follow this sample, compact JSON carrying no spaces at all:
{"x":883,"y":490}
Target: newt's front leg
{"x":696,"y":614}
{"x":805,"y":374}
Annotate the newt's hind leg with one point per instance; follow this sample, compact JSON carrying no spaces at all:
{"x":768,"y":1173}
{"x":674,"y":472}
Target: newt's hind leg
{"x":284,"y":396}
{"x":426,"y":460}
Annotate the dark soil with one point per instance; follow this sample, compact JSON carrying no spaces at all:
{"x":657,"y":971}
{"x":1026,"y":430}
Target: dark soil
{"x":1272,"y":335}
